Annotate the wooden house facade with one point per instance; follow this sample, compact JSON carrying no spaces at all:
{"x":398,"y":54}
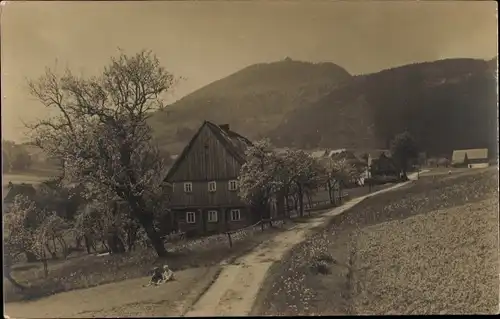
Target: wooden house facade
{"x":204,"y":178}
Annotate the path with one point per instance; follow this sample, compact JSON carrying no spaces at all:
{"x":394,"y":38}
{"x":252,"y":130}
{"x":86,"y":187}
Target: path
{"x":235,"y":290}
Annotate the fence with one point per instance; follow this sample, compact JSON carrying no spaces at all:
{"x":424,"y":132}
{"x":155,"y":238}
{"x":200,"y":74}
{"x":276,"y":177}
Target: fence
{"x":322,"y":204}
{"x":229,"y":237}
{"x":179,"y":241}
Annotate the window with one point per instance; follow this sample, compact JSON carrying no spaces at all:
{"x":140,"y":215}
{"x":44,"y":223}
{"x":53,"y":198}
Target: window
{"x":190,"y":217}
{"x":188,"y":187}
{"x":212,"y":186}
{"x":235,"y":215}
{"x":233,"y":185}
{"x":212,"y":216}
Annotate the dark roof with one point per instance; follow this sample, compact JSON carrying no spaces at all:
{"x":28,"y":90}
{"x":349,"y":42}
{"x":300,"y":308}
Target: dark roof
{"x":18,"y":189}
{"x":235,"y":143}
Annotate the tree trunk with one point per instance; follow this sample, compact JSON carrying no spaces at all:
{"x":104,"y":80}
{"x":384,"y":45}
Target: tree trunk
{"x":115,"y":244}
{"x":329,"y":189}
{"x":131,"y":237}
{"x":44,"y":262}
{"x":309,"y":200}
{"x":54,"y":245}
{"x":156,"y":241}
{"x":146,"y":220}
{"x":87,"y":244}
{"x":405,"y":175}
{"x":340,"y":193}
{"x":78,"y":242}
{"x":52,"y":254}
{"x":103,"y":244}
{"x":301,"y":200}
{"x":64,"y":247}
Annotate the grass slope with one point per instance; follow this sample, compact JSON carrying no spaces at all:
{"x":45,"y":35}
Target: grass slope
{"x":428,"y":248}
{"x":82,"y":271}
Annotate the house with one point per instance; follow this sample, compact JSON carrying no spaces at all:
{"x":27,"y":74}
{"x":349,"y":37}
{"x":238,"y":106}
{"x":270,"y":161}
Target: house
{"x":350,"y":158}
{"x":12,"y":190}
{"x":383,"y":165}
{"x":319,"y":154}
{"x":471,"y":158}
{"x":204,"y":181}
{"x":332,"y":153}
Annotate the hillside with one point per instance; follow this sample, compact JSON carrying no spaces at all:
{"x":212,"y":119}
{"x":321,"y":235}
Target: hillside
{"x":252,"y":100}
{"x":446,"y":104}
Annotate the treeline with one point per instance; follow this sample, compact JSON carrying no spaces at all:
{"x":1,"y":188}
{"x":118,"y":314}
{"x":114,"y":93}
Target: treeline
{"x":269,"y":177}
{"x":15,"y":157}
{"x":21,"y":157}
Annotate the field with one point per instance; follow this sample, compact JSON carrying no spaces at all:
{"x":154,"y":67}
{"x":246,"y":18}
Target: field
{"x":430,"y":247}
{"x":32,"y":176}
{"x":22,"y":178}
{"x":84,"y":271}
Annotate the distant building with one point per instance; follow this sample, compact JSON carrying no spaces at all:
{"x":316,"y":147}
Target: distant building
{"x":383,"y":165}
{"x":204,"y":181}
{"x":12,"y":190}
{"x":332,"y":153}
{"x":319,"y":154}
{"x":471,"y":158}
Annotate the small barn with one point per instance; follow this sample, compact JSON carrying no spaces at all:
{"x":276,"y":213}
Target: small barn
{"x":471,"y":158}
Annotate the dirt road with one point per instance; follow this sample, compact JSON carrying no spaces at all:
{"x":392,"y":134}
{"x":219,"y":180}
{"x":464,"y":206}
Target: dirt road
{"x":235,"y":290}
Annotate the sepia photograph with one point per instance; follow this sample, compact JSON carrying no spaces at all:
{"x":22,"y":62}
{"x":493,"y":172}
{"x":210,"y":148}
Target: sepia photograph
{"x":249,"y":158}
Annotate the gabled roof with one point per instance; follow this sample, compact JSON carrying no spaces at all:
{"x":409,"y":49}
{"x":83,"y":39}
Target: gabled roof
{"x":472,"y":154}
{"x":319,"y":154}
{"x":332,"y":153}
{"x":235,"y":144}
{"x":13,"y":190}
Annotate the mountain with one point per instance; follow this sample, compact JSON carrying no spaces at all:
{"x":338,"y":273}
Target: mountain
{"x":253,"y":100}
{"x":447,"y":104}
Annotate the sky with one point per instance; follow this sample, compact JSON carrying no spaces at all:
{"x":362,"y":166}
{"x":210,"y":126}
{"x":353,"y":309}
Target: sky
{"x":203,"y":41}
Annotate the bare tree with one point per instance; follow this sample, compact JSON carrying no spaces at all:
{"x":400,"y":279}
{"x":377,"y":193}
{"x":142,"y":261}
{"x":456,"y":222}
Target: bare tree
{"x":100,"y":131}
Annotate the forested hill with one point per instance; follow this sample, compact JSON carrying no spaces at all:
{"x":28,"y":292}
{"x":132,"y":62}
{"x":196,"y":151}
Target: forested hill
{"x":447,"y":104}
{"x":253,"y":100}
